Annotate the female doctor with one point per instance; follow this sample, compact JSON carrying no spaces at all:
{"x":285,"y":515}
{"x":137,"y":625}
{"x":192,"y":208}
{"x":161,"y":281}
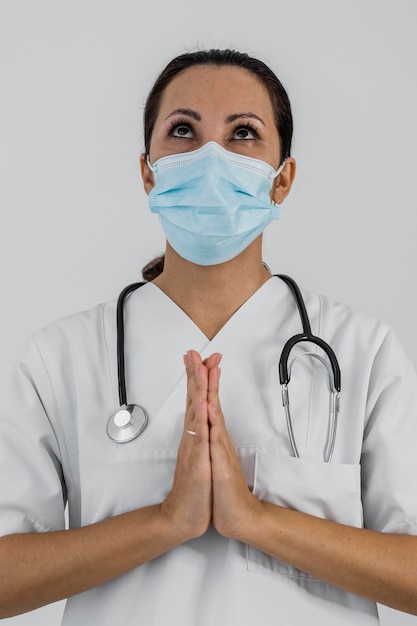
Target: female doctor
{"x":209,"y":517}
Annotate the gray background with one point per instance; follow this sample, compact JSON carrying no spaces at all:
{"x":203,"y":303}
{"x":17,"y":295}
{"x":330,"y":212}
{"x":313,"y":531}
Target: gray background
{"x":75,"y":224}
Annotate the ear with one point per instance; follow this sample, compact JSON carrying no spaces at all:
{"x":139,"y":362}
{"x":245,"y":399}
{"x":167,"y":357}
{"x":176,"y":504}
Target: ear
{"x":283,"y":182}
{"x":147,"y":175}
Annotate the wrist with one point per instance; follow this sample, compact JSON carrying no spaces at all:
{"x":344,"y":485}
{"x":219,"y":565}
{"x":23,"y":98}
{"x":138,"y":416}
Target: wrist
{"x":248,"y":525}
{"x":180,"y":531}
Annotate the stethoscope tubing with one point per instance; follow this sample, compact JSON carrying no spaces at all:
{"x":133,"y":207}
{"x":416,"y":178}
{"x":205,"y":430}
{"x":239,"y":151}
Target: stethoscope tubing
{"x":133,"y":418}
{"x":305,"y":336}
{"x":284,"y":376}
{"x":120,"y":323}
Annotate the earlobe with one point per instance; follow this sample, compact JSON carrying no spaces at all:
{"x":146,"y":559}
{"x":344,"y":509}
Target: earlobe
{"x":283,"y":182}
{"x":147,"y":175}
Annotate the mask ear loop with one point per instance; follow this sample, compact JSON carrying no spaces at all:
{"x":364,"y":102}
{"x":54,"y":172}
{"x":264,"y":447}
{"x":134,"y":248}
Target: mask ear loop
{"x":277,"y":173}
{"x":149,"y":164}
{"x":281,"y":167}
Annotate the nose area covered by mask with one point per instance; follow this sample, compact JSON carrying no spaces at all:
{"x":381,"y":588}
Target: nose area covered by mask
{"x":212,"y":203}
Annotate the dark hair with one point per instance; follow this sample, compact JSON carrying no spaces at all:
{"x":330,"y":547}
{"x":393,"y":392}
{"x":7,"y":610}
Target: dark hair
{"x":153,"y":268}
{"x":279,"y":99}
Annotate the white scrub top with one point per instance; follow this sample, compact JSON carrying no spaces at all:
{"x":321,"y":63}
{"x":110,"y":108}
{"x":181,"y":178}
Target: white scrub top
{"x":54,"y":447}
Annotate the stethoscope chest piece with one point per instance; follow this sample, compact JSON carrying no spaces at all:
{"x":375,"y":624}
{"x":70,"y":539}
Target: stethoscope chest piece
{"x":127,"y":423}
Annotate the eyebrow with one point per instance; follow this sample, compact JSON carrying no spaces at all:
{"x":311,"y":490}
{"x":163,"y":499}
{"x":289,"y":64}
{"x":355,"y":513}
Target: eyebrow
{"x":237,"y":116}
{"x":188,"y":112}
{"x":231,"y":118}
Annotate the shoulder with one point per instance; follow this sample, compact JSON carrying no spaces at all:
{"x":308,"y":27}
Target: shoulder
{"x":337,"y":318}
{"x":81,"y":321}
{"x":322,"y":309}
{"x":75,"y":333}
{"x":91,"y":330}
{"x":356,"y":335}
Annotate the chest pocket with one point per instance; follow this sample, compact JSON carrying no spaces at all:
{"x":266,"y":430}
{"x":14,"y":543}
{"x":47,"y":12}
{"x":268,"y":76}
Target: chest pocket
{"x":326,"y":490}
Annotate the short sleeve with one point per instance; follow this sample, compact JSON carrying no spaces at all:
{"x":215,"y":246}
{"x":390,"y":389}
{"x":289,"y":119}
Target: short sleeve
{"x":389,"y":458}
{"x":32,"y":488}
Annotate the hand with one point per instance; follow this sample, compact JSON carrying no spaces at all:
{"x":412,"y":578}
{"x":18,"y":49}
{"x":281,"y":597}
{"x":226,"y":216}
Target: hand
{"x":234,"y":506}
{"x":189,"y":503}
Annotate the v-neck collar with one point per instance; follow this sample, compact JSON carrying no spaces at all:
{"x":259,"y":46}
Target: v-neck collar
{"x":157,"y":335}
{"x":248,"y":307}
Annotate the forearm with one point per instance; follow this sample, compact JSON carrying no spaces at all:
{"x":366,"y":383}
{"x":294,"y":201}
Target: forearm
{"x":40,"y":568}
{"x":379,"y":566}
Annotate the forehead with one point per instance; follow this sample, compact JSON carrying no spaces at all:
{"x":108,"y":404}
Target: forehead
{"x":211,"y":86}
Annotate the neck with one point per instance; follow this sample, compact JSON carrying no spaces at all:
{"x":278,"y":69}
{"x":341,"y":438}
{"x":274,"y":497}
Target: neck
{"x":210,"y":295}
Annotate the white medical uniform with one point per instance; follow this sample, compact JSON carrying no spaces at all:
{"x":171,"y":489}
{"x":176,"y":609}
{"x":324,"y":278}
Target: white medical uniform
{"x":54,"y":446}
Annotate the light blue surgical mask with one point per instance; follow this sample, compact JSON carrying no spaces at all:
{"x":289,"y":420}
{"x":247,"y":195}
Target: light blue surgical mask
{"x":212,"y":203}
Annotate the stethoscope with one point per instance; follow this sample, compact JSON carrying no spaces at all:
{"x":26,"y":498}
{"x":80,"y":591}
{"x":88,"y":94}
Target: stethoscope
{"x":130,"y":420}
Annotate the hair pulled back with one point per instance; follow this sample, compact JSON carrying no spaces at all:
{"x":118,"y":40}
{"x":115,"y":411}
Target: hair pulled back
{"x":280,"y":102}
{"x":279,"y":99}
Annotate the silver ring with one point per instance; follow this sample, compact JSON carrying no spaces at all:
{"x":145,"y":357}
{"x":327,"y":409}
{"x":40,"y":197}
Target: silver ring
{"x":190,"y":432}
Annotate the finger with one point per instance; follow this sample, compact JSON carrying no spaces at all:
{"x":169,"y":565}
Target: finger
{"x":218,"y":429}
{"x":213,"y":360}
{"x":197,"y":380}
{"x":213,"y":372}
{"x":197,"y":384}
{"x":213,"y":382}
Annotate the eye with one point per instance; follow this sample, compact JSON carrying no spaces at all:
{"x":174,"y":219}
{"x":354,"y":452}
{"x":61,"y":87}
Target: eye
{"x":181,"y":130}
{"x":245,"y":133}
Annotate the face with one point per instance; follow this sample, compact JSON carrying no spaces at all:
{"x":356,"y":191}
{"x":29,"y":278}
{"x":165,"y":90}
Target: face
{"x":225,"y":104}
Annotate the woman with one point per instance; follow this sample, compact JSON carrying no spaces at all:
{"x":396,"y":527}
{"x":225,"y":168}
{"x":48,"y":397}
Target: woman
{"x":177,"y":525}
